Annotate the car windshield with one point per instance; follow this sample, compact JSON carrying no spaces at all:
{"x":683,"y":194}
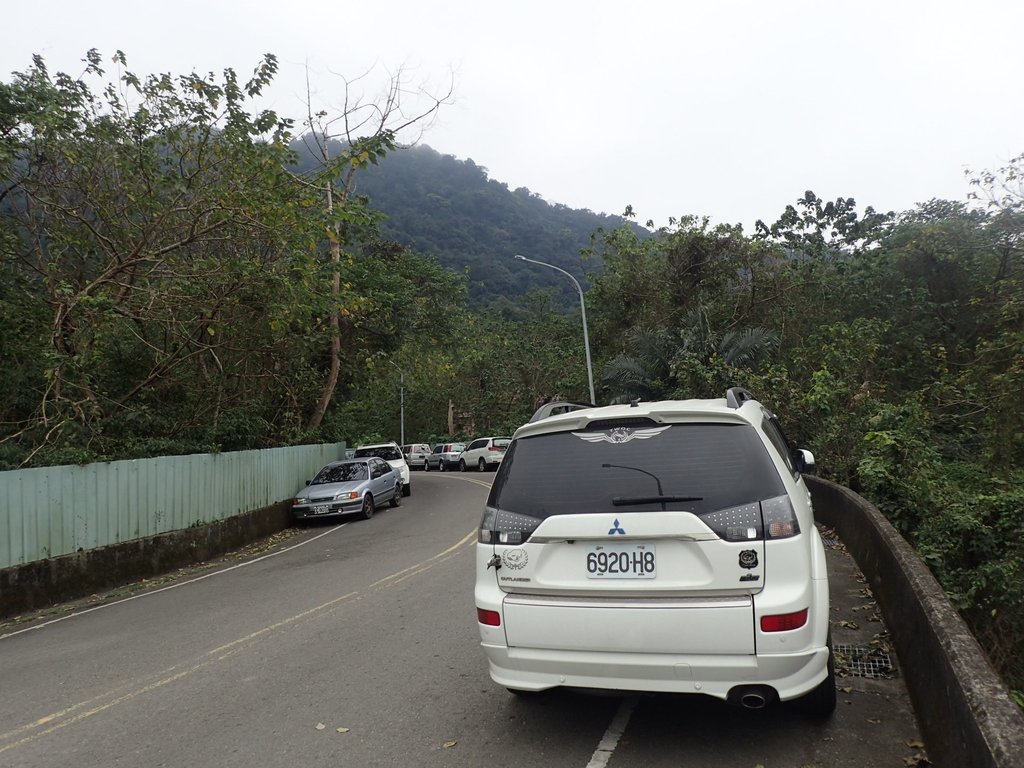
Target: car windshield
{"x":502,"y":442}
{"x":458,"y":448}
{"x":714,"y":466}
{"x":386,"y":452}
{"x":341,"y":473}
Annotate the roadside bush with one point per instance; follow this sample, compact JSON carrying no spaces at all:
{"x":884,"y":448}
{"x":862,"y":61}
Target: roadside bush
{"x":973,"y":540}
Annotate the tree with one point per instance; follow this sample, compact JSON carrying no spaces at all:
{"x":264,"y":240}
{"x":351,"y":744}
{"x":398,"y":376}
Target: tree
{"x":819,"y":227}
{"x":358,"y":134}
{"x":142,"y":215}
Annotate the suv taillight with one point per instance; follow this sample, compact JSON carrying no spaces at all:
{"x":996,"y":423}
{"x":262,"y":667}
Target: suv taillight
{"x":768,"y":519}
{"x":501,"y":527}
{"x":779,"y":518}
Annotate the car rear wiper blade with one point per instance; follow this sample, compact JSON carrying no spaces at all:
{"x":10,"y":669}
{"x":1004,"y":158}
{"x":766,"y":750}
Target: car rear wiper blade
{"x":628,"y":501}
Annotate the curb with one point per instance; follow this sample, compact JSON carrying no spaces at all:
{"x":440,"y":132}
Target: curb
{"x":963,"y":707}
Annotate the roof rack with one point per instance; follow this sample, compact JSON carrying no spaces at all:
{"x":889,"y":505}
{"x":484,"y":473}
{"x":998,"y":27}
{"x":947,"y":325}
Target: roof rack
{"x":737,"y":396}
{"x":560,"y":406}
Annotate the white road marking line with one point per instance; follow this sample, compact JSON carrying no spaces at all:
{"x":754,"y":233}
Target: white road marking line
{"x":173,"y":674}
{"x":610,"y":741}
{"x":335,"y":529}
{"x":173,"y":586}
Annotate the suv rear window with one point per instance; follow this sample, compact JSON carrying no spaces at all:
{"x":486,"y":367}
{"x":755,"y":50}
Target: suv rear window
{"x":567,"y":473}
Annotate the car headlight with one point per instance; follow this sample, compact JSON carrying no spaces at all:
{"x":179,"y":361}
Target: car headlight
{"x":300,"y":500}
{"x":346,"y":496}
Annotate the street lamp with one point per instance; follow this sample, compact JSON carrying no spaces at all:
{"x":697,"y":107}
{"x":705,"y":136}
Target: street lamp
{"x":401,"y":397}
{"x":583,"y":312}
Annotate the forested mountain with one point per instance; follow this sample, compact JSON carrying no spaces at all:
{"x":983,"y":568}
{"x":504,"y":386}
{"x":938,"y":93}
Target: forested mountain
{"x":440,"y":206}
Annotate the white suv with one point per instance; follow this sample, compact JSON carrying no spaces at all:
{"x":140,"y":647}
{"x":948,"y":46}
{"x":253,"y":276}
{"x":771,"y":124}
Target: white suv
{"x":484,"y":453}
{"x":664,"y":546}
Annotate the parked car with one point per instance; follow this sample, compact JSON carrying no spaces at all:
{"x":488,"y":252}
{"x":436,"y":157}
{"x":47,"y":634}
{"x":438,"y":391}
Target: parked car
{"x":416,"y":455}
{"x":349,"y":486}
{"x":444,"y":456}
{"x":484,"y":453}
{"x":392,"y":454}
{"x":666,"y":546}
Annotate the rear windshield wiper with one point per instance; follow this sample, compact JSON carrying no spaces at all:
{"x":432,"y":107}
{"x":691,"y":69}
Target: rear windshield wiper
{"x":628,"y":501}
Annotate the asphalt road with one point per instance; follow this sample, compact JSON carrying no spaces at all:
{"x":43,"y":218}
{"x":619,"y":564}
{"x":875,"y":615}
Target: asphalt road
{"x":356,"y":645}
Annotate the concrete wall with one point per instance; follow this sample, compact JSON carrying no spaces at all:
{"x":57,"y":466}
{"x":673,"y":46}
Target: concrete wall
{"x":963,"y":708}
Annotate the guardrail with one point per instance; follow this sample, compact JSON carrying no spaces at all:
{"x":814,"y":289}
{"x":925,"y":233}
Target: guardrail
{"x":963,"y":708}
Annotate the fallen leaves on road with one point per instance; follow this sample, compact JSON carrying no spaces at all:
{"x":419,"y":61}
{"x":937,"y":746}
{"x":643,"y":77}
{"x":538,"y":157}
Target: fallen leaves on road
{"x":339,"y":729}
{"x":449,"y":744}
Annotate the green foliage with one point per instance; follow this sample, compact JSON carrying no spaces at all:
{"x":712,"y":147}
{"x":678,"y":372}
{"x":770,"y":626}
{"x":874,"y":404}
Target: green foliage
{"x":891,"y":345}
{"x":975,"y":546}
{"x":165,"y":289}
{"x":819,"y":227}
{"x":175,"y":277}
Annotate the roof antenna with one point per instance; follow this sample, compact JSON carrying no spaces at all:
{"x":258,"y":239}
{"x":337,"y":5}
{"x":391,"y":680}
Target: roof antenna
{"x":635,"y":403}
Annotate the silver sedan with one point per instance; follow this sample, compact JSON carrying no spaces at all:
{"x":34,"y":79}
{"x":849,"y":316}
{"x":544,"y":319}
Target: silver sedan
{"x":352,"y":486}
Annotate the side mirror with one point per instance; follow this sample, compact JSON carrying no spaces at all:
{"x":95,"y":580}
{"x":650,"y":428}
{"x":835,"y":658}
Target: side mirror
{"x":804,"y":461}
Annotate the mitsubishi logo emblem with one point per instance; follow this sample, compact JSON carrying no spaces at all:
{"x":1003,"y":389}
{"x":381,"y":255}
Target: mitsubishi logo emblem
{"x":616,"y":528}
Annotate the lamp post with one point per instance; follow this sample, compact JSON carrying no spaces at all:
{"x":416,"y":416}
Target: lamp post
{"x":583,"y":312}
{"x":401,"y":398}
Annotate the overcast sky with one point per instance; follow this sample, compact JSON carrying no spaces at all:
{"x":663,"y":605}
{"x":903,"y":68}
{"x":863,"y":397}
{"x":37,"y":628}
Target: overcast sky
{"x":725,"y":109}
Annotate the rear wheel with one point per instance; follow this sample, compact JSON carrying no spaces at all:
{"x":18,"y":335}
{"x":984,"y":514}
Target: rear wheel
{"x":481,"y":465}
{"x":396,"y":497}
{"x":407,"y":489}
{"x":462,"y":465}
{"x":442,"y":465}
{"x":367,"y":511}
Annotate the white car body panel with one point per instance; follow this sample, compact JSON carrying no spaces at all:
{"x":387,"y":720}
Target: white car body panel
{"x":791,"y":675}
{"x":721,"y":625}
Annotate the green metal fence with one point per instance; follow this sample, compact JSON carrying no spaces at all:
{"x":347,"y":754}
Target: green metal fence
{"x":53,"y":511}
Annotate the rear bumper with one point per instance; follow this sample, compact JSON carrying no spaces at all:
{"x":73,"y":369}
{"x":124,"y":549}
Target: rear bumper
{"x":791,"y":675}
